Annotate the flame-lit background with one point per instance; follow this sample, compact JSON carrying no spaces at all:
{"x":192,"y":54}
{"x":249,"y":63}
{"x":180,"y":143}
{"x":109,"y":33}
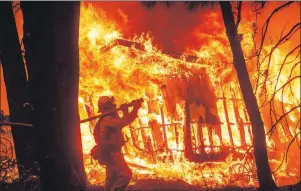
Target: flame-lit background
{"x":128,"y":73}
{"x":166,"y":83}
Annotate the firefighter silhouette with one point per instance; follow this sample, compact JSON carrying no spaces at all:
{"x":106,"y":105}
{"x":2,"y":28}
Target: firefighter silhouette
{"x":109,"y":141}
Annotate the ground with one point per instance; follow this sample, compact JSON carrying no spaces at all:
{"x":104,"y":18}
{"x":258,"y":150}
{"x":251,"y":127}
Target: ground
{"x":163,"y":185}
{"x":160,"y":185}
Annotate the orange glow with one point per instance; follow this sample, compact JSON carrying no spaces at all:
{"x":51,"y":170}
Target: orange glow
{"x":107,"y":67}
{"x":128,"y":73}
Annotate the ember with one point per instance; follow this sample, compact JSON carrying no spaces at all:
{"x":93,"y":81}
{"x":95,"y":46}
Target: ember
{"x":193,"y":124}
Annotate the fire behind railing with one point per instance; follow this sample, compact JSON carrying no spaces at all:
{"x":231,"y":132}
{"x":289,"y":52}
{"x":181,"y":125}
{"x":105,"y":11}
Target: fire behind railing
{"x":164,"y":143}
{"x":159,"y":149}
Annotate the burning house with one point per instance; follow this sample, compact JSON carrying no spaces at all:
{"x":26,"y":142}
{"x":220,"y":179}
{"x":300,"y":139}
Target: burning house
{"x":193,"y":124}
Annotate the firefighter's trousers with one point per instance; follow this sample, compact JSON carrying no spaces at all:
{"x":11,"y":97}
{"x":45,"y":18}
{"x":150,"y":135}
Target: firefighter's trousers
{"x":118,"y":173}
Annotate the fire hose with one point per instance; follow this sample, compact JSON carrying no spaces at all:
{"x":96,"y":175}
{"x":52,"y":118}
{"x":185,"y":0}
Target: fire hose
{"x":132,"y":103}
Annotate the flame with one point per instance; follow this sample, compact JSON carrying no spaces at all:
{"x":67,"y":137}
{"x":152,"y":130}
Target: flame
{"x":129,"y":73}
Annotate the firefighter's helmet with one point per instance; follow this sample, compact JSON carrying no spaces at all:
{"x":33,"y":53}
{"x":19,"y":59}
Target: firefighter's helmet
{"x":105,"y":101}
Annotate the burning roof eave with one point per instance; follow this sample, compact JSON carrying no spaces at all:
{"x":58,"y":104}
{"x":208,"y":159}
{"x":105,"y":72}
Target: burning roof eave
{"x":139,"y":46}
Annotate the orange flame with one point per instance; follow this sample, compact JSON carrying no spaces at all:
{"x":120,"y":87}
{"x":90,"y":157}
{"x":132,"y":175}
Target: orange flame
{"x":130,"y":73}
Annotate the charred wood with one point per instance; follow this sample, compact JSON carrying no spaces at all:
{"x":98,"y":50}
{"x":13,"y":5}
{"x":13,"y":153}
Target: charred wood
{"x":201,"y":136}
{"x":133,"y":135}
{"x":156,"y":134}
{"x":187,"y":133}
{"x":140,"y":46}
{"x":177,"y":135}
{"x":90,"y":111}
{"x":239,"y":121}
{"x":194,"y":138}
{"x":227,"y":117}
{"x":209,"y":128}
{"x":150,"y":148}
{"x":143,"y":134}
{"x":247,"y":123}
{"x":164,"y":128}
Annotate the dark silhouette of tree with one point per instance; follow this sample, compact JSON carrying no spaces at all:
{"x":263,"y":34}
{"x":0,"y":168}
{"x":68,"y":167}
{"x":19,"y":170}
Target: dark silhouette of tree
{"x":275,"y":110}
{"x":265,"y":179}
{"x":266,"y":182}
{"x":16,"y":85}
{"x":51,"y":32}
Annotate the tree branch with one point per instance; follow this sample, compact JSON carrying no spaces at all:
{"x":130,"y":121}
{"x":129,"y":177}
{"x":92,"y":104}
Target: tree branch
{"x":285,"y":114}
{"x":285,"y":156}
{"x":266,"y":24}
{"x":239,"y":6}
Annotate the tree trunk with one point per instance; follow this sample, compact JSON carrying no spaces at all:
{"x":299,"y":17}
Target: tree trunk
{"x":16,"y":86}
{"x":51,"y":32}
{"x":266,"y":181}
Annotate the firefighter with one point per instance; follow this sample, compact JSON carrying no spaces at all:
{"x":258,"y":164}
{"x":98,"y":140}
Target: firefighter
{"x":109,"y":138}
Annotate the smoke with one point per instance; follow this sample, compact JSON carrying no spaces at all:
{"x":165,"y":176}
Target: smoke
{"x":172,"y":28}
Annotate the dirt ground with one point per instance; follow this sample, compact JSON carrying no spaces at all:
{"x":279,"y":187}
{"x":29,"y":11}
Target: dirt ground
{"x":160,"y":185}
{"x":163,"y":185}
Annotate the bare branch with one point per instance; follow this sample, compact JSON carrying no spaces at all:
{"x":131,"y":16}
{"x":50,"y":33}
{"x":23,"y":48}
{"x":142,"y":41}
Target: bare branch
{"x":285,"y":84}
{"x":291,"y":73}
{"x":239,"y":6}
{"x":285,"y":156}
{"x":149,"y":4}
{"x":282,"y":40}
{"x":261,"y":5}
{"x":263,"y":36}
{"x":290,"y":145}
{"x":283,"y":63}
{"x":266,"y":24}
{"x":16,"y":124}
{"x":285,"y":114}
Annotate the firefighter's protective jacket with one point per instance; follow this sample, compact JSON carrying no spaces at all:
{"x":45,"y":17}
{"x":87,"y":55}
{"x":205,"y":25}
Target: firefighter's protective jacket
{"x":110,"y":129}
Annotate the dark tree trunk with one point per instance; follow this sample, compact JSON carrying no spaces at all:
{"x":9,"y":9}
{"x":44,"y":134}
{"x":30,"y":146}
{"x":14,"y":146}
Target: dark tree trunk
{"x":51,"y":32}
{"x":266,"y":181}
{"x":16,"y":86}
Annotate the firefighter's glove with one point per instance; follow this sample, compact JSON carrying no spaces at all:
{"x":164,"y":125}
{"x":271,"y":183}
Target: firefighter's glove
{"x":124,"y":108}
{"x":137,"y":104}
